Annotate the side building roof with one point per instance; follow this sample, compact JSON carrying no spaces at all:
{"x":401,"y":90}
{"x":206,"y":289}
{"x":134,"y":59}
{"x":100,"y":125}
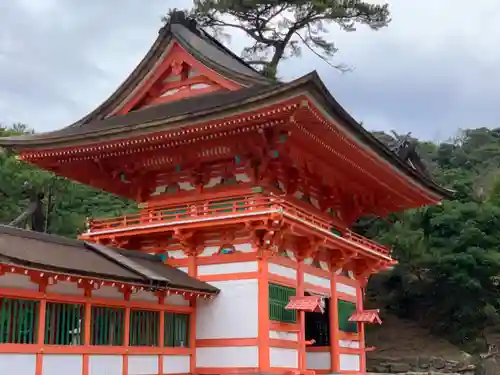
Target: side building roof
{"x":52,"y":253}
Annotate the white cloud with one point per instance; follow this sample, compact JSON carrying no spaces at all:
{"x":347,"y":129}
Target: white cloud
{"x":432,"y":71}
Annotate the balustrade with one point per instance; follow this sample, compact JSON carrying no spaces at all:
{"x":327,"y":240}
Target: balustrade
{"x":232,"y":207}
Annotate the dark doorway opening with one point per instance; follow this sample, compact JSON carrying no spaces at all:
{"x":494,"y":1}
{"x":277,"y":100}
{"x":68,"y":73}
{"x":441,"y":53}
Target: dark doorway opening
{"x":318,"y":325}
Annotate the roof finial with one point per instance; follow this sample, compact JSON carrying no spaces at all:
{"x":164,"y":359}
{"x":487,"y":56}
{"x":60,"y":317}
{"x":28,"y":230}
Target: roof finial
{"x":177,"y":16}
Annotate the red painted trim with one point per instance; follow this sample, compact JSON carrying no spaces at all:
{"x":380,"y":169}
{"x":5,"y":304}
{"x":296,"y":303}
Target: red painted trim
{"x":204,"y":343}
{"x":83,"y":349}
{"x":226,"y":370}
{"x":281,"y":280}
{"x":318,"y":349}
{"x":317,"y":289}
{"x":301,"y":318}
{"x":361,"y":328}
{"x":285,"y":262}
{"x":278,"y":343}
{"x":230,"y":276}
{"x":56,"y":297}
{"x":263,"y":315}
{"x":178,"y":54}
{"x":193,"y":272}
{"x":334,"y":326}
{"x":283,"y":327}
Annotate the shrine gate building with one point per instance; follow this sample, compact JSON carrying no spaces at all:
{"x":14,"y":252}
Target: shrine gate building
{"x":240,"y":259}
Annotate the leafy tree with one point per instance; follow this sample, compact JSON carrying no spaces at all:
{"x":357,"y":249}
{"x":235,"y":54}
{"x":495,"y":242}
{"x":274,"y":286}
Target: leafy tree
{"x":279,"y":29}
{"x":71,"y":202}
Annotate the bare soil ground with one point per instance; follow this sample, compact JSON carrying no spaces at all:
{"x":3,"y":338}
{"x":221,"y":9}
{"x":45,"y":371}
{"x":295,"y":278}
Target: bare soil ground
{"x":400,"y":338}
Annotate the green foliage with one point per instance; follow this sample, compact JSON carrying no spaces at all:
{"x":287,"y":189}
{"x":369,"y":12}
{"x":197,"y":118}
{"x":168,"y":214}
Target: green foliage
{"x":280,"y":29}
{"x":71,"y":204}
{"x":448,"y":274}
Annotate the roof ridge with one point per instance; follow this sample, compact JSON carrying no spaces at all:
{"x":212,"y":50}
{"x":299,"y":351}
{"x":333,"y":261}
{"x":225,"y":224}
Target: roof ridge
{"x":124,"y":261}
{"x":179,"y":17}
{"x":48,"y":237}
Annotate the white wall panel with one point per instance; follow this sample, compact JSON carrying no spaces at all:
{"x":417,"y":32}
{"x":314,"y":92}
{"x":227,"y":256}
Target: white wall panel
{"x":18,"y":364}
{"x":142,"y":364}
{"x":280,"y":270}
{"x":176,"y":364}
{"x":228,"y":356}
{"x":105,"y":365}
{"x":349,"y":362}
{"x":318,"y":360}
{"x":232,"y":314}
{"x":54,"y":364}
{"x":316,"y":280}
{"x":227,"y":268}
{"x":283,"y":357}
{"x":347,"y":289}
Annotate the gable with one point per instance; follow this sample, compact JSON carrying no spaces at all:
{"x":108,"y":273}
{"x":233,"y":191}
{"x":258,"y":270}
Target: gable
{"x":178,"y":75}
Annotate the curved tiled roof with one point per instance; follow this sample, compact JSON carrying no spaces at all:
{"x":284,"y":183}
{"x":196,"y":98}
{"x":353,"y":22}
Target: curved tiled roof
{"x":58,"y":254}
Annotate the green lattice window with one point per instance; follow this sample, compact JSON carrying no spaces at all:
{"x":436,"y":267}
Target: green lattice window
{"x":346,"y":309}
{"x":144,"y":328}
{"x":176,"y":330}
{"x":64,"y":324}
{"x":279,"y":297}
{"x":18,"y":321}
{"x":107,"y":326}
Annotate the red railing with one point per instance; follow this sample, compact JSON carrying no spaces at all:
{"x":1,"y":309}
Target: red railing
{"x":226,"y":208}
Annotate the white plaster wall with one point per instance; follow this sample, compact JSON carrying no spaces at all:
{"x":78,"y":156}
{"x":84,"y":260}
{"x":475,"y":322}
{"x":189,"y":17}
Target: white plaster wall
{"x":107,"y":292}
{"x":105,"y":365}
{"x":318,"y":360}
{"x":176,"y":299}
{"x":279,"y":270}
{"x":65,"y":287}
{"x":349,"y":362}
{"x":144,"y":295}
{"x":324,"y":266}
{"x":228,"y":356}
{"x":176,"y":364}
{"x":18,"y":364}
{"x":347,"y":289}
{"x":176,"y":254}
{"x":280,"y":335}
{"x":316,"y":280}
{"x":283,"y":357}
{"x":142,"y":364}
{"x":222,"y":269}
{"x":183,"y":269}
{"x":349,"y":344}
{"x":209,"y":250}
{"x":308,"y":260}
{"x":10,"y":280}
{"x":232,"y":314}
{"x":53,"y":364}
{"x":244,"y":247}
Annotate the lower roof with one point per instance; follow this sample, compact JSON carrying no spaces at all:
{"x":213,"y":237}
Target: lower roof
{"x":52,"y":253}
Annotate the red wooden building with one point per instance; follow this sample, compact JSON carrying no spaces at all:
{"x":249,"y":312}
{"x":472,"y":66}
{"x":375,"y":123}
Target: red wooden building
{"x":244,"y":183}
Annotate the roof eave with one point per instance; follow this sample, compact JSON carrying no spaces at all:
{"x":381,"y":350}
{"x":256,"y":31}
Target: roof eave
{"x":373,"y":142}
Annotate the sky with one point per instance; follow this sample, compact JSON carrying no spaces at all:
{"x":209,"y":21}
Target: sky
{"x":434,"y":70}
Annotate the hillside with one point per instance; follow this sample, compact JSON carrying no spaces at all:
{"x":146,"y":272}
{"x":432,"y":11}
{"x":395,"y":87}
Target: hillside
{"x":443,"y":252}
{"x":416,"y":341}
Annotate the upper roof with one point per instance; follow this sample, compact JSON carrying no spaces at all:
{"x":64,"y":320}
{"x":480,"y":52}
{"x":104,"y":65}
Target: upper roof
{"x":173,"y":115}
{"x":196,"y":42}
{"x":52,"y":253}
